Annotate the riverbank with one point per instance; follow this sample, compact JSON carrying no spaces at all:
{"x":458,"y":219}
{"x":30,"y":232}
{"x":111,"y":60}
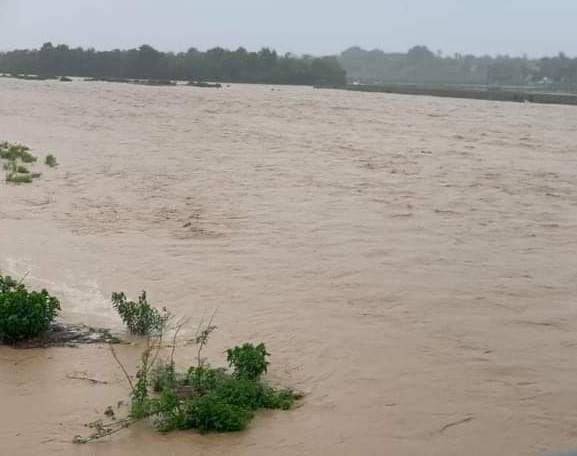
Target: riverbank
{"x":513,"y":94}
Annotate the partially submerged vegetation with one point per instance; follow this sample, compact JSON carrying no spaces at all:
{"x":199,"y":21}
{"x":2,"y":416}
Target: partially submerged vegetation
{"x":50,"y":161}
{"x":156,"y":82}
{"x":140,"y":317}
{"x":203,"y":84}
{"x":24,"y":314}
{"x":147,"y":82}
{"x":16,"y":160}
{"x":28,"y":319}
{"x":201,"y":396}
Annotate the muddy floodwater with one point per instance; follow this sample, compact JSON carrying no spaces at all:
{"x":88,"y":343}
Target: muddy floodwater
{"x":410,"y":262}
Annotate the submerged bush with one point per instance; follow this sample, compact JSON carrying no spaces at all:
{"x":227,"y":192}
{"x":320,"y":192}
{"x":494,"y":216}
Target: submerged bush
{"x":202,"y":397}
{"x":24,"y":314}
{"x":140,"y":317}
{"x":14,"y":157}
{"x":248,"y":361}
{"x":50,"y":160}
{"x":19,"y":178}
{"x":212,"y":399}
{"x":16,"y":153}
{"x":211,"y":413}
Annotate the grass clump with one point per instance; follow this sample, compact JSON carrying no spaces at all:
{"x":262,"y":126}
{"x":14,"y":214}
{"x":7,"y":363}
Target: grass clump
{"x":24,"y":314}
{"x":140,"y":317}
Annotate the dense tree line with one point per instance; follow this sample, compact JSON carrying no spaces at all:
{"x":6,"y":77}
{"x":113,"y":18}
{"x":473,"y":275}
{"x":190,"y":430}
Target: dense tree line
{"x":420,"y":65}
{"x":217,"y":64}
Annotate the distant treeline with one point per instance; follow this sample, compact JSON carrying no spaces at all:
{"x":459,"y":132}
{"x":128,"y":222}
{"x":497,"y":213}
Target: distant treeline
{"x":420,"y":65}
{"x":217,"y":64}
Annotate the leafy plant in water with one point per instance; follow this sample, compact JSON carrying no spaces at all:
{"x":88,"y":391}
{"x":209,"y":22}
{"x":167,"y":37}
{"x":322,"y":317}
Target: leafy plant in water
{"x":213,"y":400}
{"x":140,"y":317}
{"x":202,"y":339}
{"x":24,"y":314}
{"x":19,"y":178}
{"x":248,"y":361}
{"x":211,"y":413}
{"x":204,"y":398}
{"x":16,"y":152}
{"x":50,"y":161}
{"x":14,"y":157}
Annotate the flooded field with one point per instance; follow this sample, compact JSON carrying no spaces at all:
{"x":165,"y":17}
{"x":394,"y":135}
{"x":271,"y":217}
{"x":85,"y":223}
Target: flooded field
{"x":409,"y":262}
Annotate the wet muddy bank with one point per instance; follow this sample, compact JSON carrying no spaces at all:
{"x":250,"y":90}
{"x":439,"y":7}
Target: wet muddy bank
{"x":62,"y":334}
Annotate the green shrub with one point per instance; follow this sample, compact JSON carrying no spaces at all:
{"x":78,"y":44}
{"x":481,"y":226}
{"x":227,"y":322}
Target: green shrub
{"x":50,"y":160}
{"x":210,"y":413}
{"x":140,"y":317}
{"x":203,"y":379}
{"x":204,"y":398}
{"x":14,"y":156}
{"x":248,"y":361}
{"x":19,"y":179}
{"x":162,"y":376}
{"x":210,"y":399}
{"x":24,"y":314}
{"x":15,"y":152}
{"x":274,"y":398}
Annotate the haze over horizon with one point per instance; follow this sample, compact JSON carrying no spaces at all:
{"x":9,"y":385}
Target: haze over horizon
{"x":531,"y":27}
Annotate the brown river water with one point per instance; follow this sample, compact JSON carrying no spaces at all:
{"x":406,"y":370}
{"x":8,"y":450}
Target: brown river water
{"x":410,"y":262}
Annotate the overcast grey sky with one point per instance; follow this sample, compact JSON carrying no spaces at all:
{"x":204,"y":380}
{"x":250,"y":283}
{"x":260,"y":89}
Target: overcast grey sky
{"x":535,"y":27}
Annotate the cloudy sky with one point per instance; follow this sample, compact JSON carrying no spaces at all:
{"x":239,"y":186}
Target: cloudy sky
{"x":534,"y":27}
